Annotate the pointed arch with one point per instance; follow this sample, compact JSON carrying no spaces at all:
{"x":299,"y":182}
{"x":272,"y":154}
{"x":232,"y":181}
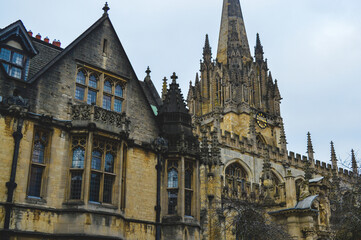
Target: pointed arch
{"x":260,"y":139}
{"x":242,"y":165}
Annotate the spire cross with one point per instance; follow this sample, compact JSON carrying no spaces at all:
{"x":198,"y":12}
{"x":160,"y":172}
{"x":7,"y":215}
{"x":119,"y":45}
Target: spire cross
{"x":106,"y":8}
{"x":174,"y":78}
{"x":148,"y":71}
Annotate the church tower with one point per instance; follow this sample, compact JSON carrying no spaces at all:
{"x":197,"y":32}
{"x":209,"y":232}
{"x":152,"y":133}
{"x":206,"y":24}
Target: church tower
{"x":235,"y":88}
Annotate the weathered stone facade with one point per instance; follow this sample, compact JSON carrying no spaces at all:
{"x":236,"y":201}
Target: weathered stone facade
{"x":77,"y":153}
{"x":90,"y":152}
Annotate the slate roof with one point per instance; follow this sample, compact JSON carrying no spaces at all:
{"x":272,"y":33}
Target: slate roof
{"x":46,"y":53}
{"x":306,"y":203}
{"x":151,"y":93}
{"x":174,"y":101}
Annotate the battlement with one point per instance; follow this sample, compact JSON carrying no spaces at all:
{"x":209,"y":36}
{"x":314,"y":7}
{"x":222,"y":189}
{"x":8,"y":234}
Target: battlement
{"x":296,"y":160}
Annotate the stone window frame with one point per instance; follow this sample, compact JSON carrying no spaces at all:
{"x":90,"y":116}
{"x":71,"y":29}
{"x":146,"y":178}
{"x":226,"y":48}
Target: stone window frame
{"x":43,"y":165}
{"x":102,"y":77}
{"x":232,"y":179}
{"x":86,"y":170}
{"x":172,"y":164}
{"x":106,"y":147}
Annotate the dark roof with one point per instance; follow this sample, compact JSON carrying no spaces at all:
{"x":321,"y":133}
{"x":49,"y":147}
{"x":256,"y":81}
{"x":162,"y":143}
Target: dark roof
{"x":18,"y":30}
{"x":47,"y":52}
{"x":151,"y":94}
{"x":68,"y":48}
{"x":174,"y":101}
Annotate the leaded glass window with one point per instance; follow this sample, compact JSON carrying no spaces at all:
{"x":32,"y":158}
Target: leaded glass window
{"x":17,"y":59}
{"x":80,"y":78}
{"x":172,"y":178}
{"x":108,"y":188}
{"x":172,"y":187}
{"x":93,"y":82}
{"x":102,"y":180}
{"x":76,"y":184}
{"x":15,"y":72}
{"x":77,"y":166}
{"x":188,"y":203}
{"x":118,"y":105}
{"x":38,"y":163}
{"x":96,"y":160}
{"x":109,"y":163}
{"x":79,"y":93}
{"x":78,"y":157}
{"x":188,"y":188}
{"x":107,"y":102}
{"x":118,"y":91}
{"x":36,"y":176}
{"x":94,"y":187}
{"x":107,"y":87}
{"x":15,"y":64}
{"x":5,"y":54}
{"x":92,"y":97}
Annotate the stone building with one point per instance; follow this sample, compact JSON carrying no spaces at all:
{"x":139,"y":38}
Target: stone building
{"x":88,"y":151}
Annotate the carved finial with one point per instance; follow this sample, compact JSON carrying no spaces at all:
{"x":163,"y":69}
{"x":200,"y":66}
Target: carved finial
{"x":309,"y":147}
{"x":283,"y":140}
{"x":106,"y":8}
{"x":148,"y":71}
{"x":333,"y":156}
{"x":354,"y":163}
{"x":258,"y":50}
{"x":197,"y":79}
{"x":174,"y":78}
{"x":164,"y":88}
{"x":207,"y":51}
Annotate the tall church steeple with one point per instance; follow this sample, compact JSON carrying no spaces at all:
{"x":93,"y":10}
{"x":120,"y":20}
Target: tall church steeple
{"x":232,"y":36}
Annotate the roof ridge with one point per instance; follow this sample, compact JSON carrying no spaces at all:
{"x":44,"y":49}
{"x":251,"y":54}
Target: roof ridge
{"x":69,"y":47}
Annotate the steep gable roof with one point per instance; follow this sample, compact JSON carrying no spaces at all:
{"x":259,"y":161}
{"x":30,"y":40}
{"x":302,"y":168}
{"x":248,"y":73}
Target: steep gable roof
{"x":18,"y":30}
{"x":69,"y":48}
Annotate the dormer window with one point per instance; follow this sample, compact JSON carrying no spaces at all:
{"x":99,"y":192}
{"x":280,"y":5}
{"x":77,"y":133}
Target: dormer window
{"x":16,"y":64}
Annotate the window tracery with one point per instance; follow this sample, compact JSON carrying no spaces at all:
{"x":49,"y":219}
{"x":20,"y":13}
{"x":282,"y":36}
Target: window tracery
{"x":172,"y":186}
{"x":99,"y":89}
{"x":77,"y":167}
{"x":38,"y":163}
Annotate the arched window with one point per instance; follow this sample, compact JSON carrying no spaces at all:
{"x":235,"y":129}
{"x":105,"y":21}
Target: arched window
{"x":78,"y":157}
{"x":118,"y":91}
{"x":93,"y":82}
{"x":236,"y":177}
{"x":80,"y":78}
{"x":235,"y":170}
{"x":260,"y":139}
{"x":38,"y":163}
{"x":107,"y":87}
{"x":173,"y":178}
{"x":172,"y":186}
{"x":102,"y":173}
{"x":77,"y":166}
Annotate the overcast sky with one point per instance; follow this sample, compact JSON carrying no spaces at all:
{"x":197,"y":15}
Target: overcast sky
{"x":313,"y":49}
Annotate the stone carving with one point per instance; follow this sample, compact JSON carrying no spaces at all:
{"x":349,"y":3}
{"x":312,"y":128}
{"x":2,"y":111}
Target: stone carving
{"x":98,"y":114}
{"x":81,"y":112}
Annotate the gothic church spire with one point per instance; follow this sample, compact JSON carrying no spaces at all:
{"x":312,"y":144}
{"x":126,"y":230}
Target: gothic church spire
{"x":233,"y":32}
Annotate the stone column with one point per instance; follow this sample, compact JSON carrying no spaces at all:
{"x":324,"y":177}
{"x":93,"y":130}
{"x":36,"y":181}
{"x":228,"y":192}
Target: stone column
{"x":291,"y":200}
